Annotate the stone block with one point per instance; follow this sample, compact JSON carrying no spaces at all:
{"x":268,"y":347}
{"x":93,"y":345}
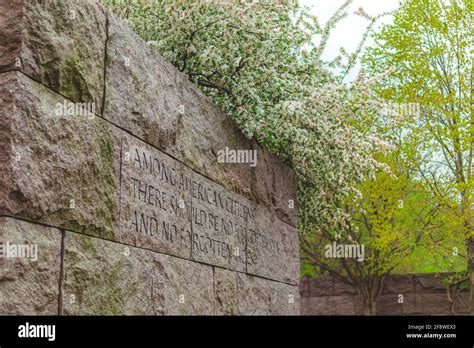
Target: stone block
{"x":275,"y":186}
{"x":30,"y":265}
{"x":58,"y":169}
{"x":58,"y":43}
{"x":429,"y":282}
{"x":398,"y":284}
{"x":412,"y":304}
{"x":253,"y":295}
{"x":389,"y":305}
{"x":226,"y":293}
{"x":340,"y":305}
{"x":11,"y":34}
{"x":312,"y":305}
{"x":284,"y":299}
{"x":322,"y":286}
{"x":462,"y":304}
{"x":272,"y":248}
{"x":341,"y":288}
{"x":434,"y":303}
{"x":260,"y":296}
{"x":107,"y":278}
{"x":117,"y":152}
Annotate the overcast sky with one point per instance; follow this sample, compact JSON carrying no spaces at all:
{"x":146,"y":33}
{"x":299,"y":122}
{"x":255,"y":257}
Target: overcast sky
{"x":350,"y":30}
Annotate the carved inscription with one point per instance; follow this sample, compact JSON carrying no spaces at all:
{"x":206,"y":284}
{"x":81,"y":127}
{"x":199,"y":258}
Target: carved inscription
{"x":168,"y":208}
{"x":259,"y":241}
{"x":272,"y":248}
{"x":156,"y":196}
{"x":220,"y":221}
{"x":156,"y":200}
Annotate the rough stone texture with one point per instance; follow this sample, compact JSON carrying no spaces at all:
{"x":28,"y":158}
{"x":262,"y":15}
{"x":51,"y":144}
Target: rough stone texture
{"x":336,"y":303}
{"x":182,"y":287}
{"x":59,"y":170}
{"x":284,"y":299}
{"x":60,"y":44}
{"x":272,"y":248}
{"x":330,"y":305}
{"x":412,"y":304}
{"x":155,"y":200}
{"x":313,"y":306}
{"x":462,"y":305}
{"x":389,"y":305}
{"x":253,"y":295}
{"x":10,"y":34}
{"x":398,"y":284}
{"x":103,"y":278}
{"x":275,"y":186}
{"x":427,"y":282}
{"x":106,"y":278}
{"x":259,"y":296}
{"x":29,"y":286}
{"x":423,"y":294}
{"x":226,"y":292}
{"x":343,"y":288}
{"x":238,"y":293}
{"x":434,"y":303}
{"x":168,"y":111}
{"x":358,"y":305}
{"x":322,"y":287}
{"x":470,"y":300}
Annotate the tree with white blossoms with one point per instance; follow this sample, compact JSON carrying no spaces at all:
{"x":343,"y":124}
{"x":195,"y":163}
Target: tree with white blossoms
{"x":261,"y":62}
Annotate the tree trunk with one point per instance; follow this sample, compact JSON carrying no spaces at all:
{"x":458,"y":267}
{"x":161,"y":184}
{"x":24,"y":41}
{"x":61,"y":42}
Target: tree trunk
{"x":471,"y":274}
{"x":370,"y":293}
{"x":370,"y":307}
{"x":468,"y":224}
{"x":466,"y":213}
{"x":451,"y":298}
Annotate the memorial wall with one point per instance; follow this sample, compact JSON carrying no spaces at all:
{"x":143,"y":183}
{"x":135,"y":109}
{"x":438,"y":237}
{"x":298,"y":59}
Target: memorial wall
{"x":113,"y":199}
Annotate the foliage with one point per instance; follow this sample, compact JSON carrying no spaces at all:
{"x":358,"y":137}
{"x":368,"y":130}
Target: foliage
{"x":430,"y":57}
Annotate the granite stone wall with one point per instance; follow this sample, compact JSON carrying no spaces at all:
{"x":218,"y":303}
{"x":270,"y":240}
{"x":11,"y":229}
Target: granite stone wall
{"x":109,"y":170}
{"x":407,"y":294}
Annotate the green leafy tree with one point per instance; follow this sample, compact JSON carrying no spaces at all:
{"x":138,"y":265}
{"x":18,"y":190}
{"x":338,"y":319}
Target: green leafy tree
{"x":429,"y":51}
{"x":390,"y":219}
